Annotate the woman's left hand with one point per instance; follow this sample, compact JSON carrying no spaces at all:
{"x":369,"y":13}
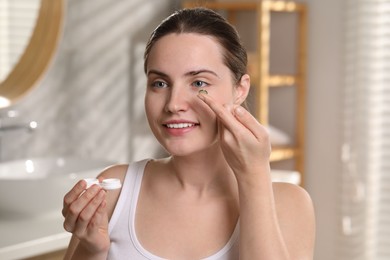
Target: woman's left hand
{"x":244,"y":141}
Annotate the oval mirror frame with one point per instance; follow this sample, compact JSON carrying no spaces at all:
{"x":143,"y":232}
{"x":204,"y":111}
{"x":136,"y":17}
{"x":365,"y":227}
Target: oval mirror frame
{"x":38,"y":54}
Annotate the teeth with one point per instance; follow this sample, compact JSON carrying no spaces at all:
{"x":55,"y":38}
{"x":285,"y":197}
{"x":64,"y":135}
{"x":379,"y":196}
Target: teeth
{"x":181,"y":125}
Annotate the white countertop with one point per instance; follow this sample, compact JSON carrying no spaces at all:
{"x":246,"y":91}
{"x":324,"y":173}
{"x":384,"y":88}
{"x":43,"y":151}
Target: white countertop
{"x":26,"y":237}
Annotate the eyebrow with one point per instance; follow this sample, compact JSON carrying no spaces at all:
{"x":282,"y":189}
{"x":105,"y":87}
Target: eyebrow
{"x":159,"y":73}
{"x":196,"y":72}
{"x":190,"y":73}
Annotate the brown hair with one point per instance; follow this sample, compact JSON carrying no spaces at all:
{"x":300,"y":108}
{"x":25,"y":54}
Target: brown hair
{"x":206,"y":22}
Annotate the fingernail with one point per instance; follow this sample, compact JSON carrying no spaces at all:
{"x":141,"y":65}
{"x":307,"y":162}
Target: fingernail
{"x":239,"y":111}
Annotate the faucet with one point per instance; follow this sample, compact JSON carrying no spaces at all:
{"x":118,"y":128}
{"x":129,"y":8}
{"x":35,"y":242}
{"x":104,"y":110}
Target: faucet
{"x":9,"y":127}
{"x":30,"y":126}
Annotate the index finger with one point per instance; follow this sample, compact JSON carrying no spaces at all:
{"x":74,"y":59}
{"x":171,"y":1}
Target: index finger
{"x":75,"y":192}
{"x":234,"y":119}
{"x":222,"y":112}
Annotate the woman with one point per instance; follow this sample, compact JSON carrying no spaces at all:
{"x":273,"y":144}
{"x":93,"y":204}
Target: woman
{"x":213,"y":197}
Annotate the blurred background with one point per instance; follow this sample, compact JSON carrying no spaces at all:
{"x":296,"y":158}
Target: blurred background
{"x":86,"y":102}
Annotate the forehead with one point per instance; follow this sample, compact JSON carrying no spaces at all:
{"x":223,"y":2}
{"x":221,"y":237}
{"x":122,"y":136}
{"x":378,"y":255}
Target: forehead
{"x":186,"y":49}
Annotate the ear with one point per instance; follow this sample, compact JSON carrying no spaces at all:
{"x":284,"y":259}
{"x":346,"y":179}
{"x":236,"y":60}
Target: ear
{"x":242,"y":89}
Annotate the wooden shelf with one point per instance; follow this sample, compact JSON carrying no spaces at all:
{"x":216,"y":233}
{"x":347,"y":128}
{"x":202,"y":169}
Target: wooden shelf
{"x":281,"y":80}
{"x":283,"y":153}
{"x":259,"y":65}
{"x":274,"y":6}
{"x":229,"y":6}
{"x":270,"y":80}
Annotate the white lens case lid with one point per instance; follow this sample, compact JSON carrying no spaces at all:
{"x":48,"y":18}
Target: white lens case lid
{"x":111,"y":184}
{"x":91,"y":181}
{"x":107,"y":184}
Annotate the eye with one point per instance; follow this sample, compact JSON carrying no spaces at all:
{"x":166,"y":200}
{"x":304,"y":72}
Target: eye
{"x":199,"y":84}
{"x":159,"y":84}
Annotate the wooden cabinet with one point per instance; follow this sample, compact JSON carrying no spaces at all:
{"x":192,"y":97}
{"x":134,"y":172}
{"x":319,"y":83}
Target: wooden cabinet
{"x":259,"y":67}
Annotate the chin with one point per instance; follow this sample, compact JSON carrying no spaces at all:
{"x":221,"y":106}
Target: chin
{"x":188,"y":149}
{"x":176,"y":151}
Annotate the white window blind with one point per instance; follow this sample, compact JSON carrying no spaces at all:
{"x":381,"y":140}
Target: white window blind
{"x":17,"y":21}
{"x":365,"y":183}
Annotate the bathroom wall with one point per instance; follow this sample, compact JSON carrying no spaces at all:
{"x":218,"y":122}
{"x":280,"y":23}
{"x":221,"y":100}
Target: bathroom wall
{"x":90,"y":102}
{"x":324,"y":113}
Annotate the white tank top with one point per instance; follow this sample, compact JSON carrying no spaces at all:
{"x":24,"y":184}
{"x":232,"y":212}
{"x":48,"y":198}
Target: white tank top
{"x":124,"y":242}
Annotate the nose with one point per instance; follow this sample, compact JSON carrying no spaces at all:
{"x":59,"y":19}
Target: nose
{"x":178,"y":100}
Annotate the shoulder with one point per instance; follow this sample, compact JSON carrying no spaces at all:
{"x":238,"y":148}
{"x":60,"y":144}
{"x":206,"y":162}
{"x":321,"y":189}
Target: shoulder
{"x":290,"y":199}
{"x":291,"y":193}
{"x":296,"y":217}
{"x":115,"y":171}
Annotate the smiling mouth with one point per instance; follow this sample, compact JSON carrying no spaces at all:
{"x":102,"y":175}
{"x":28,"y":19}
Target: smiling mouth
{"x":180,"y":125}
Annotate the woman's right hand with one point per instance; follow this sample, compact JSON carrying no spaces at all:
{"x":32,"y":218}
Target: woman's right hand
{"x":86,"y":217}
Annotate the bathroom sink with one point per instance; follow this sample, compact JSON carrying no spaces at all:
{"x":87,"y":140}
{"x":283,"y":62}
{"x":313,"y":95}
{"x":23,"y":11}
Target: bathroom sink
{"x":36,"y":186}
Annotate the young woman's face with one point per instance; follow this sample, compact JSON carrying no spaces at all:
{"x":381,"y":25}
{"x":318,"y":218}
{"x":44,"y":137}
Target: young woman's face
{"x":179,"y":65}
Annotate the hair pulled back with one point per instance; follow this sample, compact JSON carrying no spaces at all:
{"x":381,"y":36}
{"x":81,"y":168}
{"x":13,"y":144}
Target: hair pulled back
{"x":205,"y":22}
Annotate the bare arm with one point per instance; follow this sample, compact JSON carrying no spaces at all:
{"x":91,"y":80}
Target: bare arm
{"x":276,"y":222}
{"x":260,"y":232}
{"x":71,"y":248}
{"x":265,"y":231}
{"x":296,"y":217}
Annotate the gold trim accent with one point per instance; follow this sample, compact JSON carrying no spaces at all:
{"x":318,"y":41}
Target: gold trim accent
{"x":38,"y":53}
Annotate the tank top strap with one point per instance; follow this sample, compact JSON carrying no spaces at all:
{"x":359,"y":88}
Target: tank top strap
{"x":131,"y":183}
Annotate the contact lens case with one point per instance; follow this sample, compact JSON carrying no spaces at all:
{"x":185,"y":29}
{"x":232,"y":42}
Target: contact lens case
{"x":107,"y":184}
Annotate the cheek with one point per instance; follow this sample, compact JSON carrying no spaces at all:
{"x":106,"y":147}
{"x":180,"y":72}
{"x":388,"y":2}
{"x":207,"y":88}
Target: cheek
{"x":227,"y":98}
{"x":152,"y":113}
{"x":223,"y":95}
{"x":152,"y":107}
{"x":147,"y":105}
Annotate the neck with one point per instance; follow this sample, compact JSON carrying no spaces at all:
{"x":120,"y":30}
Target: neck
{"x":204,"y":172}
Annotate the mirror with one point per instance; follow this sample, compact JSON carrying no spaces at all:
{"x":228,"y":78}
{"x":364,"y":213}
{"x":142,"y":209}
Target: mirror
{"x":38,"y":51}
{"x":17,"y":22}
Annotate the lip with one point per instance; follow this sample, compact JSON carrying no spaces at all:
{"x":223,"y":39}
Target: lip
{"x":182,"y":127}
